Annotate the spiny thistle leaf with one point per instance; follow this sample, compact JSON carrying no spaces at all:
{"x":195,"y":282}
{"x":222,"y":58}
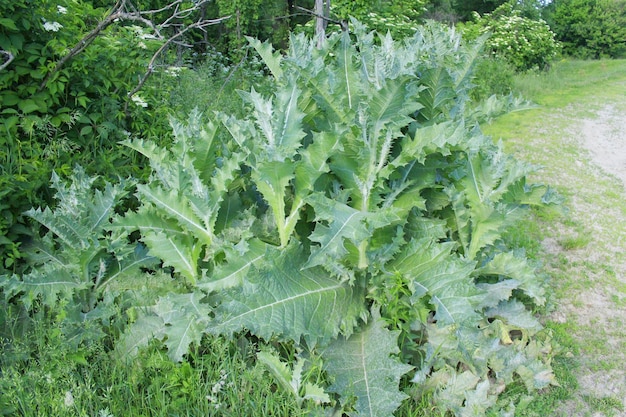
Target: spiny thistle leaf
{"x":344,"y":223}
{"x":362,"y":366}
{"x":177,"y":207}
{"x":234,"y":271}
{"x":47,"y":284}
{"x":185,"y":316}
{"x":278,"y":298}
{"x":433,"y":271}
{"x":272,"y":59}
{"x":507,"y":264}
{"x":179,"y":252}
{"x":139,"y":334}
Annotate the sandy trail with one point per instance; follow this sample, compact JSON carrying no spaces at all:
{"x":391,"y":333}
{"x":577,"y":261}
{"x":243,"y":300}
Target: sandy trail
{"x":604,"y":136}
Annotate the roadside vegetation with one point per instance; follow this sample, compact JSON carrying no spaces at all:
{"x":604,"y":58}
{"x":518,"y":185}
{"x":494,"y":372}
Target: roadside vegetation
{"x":580,"y":248}
{"x":197,"y":222}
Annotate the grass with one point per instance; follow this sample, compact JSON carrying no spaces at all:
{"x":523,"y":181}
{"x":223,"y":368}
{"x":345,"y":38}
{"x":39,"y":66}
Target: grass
{"x":569,"y":81}
{"x":41,"y":376}
{"x":581,"y":246}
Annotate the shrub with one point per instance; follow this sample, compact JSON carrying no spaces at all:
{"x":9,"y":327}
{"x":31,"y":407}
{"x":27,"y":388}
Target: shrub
{"x":591,"y":28}
{"x":493,"y":76}
{"x":524,"y":43}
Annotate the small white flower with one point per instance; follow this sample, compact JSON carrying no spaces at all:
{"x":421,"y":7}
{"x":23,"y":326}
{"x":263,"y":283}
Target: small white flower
{"x":52,"y":26}
{"x":139,"y":101}
{"x":142,"y":45}
{"x":69,"y":399}
{"x":61,"y":9}
{"x":173,"y":71}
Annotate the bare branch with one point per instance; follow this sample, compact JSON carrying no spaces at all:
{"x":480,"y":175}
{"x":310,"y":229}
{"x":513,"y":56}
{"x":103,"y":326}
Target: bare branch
{"x":342,"y":23}
{"x":201,"y":24}
{"x":121,"y":12}
{"x":9,"y":59}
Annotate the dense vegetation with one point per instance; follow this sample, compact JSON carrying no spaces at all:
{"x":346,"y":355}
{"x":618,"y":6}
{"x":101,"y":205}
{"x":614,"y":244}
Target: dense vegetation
{"x":342,"y":204}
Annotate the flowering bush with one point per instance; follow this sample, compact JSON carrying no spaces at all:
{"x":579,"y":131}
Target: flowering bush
{"x":524,"y":43}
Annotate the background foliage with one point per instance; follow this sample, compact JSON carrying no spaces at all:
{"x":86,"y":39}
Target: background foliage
{"x":590,"y":28}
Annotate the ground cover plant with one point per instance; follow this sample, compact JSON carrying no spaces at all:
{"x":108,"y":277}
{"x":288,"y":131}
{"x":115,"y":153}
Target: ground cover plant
{"x":350,"y":226}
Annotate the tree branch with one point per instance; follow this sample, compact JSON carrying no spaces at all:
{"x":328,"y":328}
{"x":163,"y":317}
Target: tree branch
{"x":198,"y":25}
{"x":116,"y":13}
{"x":121,"y":12}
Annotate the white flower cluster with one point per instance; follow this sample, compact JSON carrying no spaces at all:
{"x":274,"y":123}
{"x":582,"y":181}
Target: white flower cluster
{"x":51,"y":26}
{"x":139,"y":101}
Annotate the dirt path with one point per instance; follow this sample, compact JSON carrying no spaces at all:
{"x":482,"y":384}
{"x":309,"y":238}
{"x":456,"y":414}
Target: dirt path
{"x":582,"y":149}
{"x":604,"y":136}
{"x":599,"y":310}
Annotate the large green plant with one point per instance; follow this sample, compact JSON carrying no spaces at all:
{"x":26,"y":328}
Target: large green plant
{"x":80,"y":274}
{"x":356,"y":213}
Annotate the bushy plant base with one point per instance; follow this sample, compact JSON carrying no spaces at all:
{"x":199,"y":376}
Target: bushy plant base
{"x":353,"y":219}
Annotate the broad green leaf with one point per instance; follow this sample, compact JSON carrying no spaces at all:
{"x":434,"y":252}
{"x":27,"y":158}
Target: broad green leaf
{"x":48,"y":284}
{"x":8,"y":23}
{"x":433,"y":271}
{"x":272,"y":59}
{"x":129,"y":266}
{"x":314,"y":161}
{"x":163,"y":167}
{"x":233,"y":273}
{"x":344,"y":222}
{"x":438,"y":94}
{"x":362,"y":366}
{"x":391,"y":105}
{"x":272,"y":179}
{"x":185,"y":316}
{"x":280,"y":371}
{"x":103,"y":207}
{"x":73,"y":233}
{"x":515,"y":314}
{"x":281,"y":299}
{"x":288,"y":122}
{"x":507,"y":264}
{"x":147,"y":220}
{"x":291,"y":379}
{"x":176,"y":251}
{"x":177,"y":207}
{"x":139,"y":334}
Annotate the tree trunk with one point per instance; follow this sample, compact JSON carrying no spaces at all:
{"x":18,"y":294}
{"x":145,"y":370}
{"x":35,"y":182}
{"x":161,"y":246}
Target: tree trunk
{"x":320,"y":21}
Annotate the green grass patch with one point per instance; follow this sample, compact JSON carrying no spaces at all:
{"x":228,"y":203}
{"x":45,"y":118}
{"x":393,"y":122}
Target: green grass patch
{"x":569,"y":80}
{"x":41,"y":376}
